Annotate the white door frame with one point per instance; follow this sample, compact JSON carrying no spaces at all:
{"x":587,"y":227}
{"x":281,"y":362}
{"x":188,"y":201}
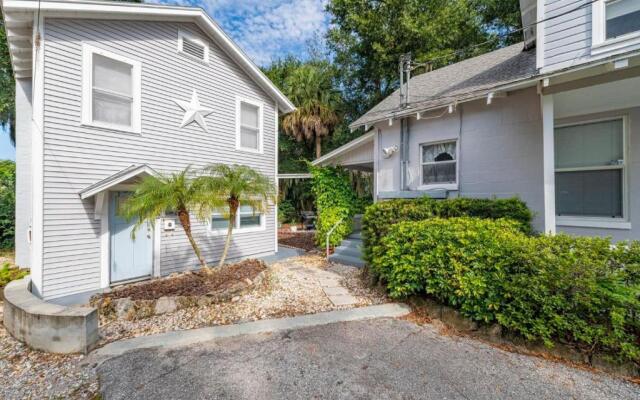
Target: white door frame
{"x":105,"y":241}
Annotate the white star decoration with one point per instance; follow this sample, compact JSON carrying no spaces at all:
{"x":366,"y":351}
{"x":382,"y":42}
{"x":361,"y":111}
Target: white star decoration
{"x":193,"y":111}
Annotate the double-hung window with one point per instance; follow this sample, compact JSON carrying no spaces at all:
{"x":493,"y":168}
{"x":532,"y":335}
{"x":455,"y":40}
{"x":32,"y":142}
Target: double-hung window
{"x":622,"y":17}
{"x":247,"y":219}
{"x":590,"y":170}
{"x":111,"y":90}
{"x":249,"y":129}
{"x":615,"y":24}
{"x":439,"y":164}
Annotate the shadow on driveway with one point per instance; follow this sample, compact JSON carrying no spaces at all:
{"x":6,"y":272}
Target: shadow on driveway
{"x":381,"y":359}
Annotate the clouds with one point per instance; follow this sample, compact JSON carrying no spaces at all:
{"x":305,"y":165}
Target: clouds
{"x":266,"y":29}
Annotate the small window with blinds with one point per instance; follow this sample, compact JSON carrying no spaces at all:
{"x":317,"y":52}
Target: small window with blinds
{"x":590,"y":168}
{"x":249,"y":126}
{"x":111,"y":90}
{"x":193,"y":46}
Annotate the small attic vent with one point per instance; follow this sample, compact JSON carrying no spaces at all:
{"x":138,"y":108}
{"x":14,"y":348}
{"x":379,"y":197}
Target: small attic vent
{"x":193,"y":46}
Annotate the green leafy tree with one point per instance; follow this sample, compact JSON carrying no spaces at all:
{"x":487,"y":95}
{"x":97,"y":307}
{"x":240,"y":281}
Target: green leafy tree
{"x":231,"y":185}
{"x":177,"y":192}
{"x":368,"y":37}
{"x":7,"y":203}
{"x":7,"y":88}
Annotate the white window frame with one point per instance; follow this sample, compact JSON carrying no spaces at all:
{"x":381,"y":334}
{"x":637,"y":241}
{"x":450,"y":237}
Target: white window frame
{"x":87,"y":89}
{"x":236,"y":225}
{"x":189,"y":36}
{"x":447,"y":186}
{"x":259,"y":104}
{"x":599,"y":42}
{"x":602,"y":222}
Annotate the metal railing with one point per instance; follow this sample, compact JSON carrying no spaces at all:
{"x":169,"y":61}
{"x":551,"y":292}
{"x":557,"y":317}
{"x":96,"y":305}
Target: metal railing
{"x":333,"y":228}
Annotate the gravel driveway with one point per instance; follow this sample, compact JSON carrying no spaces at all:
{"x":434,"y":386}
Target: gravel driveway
{"x":384,"y":358}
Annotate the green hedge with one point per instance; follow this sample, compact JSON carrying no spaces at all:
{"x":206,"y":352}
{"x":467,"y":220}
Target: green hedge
{"x":335,"y":201}
{"x":7,"y":203}
{"x":581,"y":291}
{"x":381,"y":216}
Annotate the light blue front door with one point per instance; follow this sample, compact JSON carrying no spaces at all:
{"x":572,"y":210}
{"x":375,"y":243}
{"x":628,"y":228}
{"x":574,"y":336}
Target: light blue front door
{"x":130,"y":258}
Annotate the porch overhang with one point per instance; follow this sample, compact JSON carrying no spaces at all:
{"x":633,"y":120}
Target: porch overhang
{"x":133,"y":172}
{"x":357,"y":154}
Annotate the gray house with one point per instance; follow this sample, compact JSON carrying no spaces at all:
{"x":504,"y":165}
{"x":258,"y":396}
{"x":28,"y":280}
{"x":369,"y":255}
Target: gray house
{"x":554,"y":120}
{"x":107,"y":93}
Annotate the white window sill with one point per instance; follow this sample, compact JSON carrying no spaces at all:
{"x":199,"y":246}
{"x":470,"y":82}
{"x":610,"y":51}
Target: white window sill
{"x":446,"y":186}
{"x":112,"y":127}
{"x":239,"y":231}
{"x":593,"y":223}
{"x":249,"y":150}
{"x":615,"y":44}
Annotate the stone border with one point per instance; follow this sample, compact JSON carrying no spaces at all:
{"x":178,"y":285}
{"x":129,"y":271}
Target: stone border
{"x":125,"y":308}
{"x":494,"y":334}
{"x":48,"y":327}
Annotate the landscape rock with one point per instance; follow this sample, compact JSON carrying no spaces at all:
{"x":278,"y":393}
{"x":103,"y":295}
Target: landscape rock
{"x":124,"y":308}
{"x":165,"y":305}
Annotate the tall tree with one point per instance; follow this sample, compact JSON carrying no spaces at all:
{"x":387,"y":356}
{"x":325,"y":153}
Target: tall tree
{"x":233,"y":185}
{"x":7,"y":88}
{"x":310,"y":87}
{"x":368,"y":37}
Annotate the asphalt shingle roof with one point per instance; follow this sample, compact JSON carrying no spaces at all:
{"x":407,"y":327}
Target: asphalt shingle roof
{"x":456,"y":82}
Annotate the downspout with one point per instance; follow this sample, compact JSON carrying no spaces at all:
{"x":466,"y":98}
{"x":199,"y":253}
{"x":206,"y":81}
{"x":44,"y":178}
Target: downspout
{"x":404,"y":153}
{"x":458,"y":168}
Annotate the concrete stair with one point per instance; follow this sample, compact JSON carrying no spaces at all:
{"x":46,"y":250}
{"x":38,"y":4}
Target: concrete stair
{"x":350,"y":250}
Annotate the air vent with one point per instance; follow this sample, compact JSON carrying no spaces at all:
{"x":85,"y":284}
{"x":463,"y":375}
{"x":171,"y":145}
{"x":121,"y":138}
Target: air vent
{"x":193,"y":46}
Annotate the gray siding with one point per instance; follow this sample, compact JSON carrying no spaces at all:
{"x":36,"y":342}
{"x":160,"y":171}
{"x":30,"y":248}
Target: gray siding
{"x":77,"y":156}
{"x":500,"y":150}
{"x":23,"y":171}
{"x":567,"y":39}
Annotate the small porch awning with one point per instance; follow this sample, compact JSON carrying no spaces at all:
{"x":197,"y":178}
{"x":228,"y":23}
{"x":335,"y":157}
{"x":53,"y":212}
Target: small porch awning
{"x":130,"y":174}
{"x":357,"y":154}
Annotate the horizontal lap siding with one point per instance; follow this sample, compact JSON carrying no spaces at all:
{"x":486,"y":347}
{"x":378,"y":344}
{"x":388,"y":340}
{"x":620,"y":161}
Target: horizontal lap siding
{"x":77,"y":156}
{"x":567,"y":38}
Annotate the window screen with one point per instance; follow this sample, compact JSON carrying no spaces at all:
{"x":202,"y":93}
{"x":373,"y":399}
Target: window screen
{"x":112,"y":91}
{"x":439,"y":163}
{"x":623,"y":17}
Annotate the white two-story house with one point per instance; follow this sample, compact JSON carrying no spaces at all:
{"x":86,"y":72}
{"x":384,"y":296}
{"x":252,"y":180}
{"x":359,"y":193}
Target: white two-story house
{"x":107,"y":93}
{"x":554,"y":120}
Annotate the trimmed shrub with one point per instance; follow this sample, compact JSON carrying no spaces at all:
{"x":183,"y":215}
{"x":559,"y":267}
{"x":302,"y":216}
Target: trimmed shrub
{"x":381,"y":216}
{"x":577,"y":290}
{"x":335,"y":201}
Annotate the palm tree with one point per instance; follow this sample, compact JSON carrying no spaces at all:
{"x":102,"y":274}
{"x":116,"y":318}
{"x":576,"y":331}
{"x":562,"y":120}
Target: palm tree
{"x":310,"y":87}
{"x":176,"y":192}
{"x":232,"y":185}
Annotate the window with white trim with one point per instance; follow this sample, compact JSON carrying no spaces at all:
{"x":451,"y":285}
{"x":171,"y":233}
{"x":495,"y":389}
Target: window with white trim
{"x":590,"y":169}
{"x":439,"y":163}
{"x":193,"y":46}
{"x":249,"y":134}
{"x":622,"y":17}
{"x":246,"y":219}
{"x":111,"y":90}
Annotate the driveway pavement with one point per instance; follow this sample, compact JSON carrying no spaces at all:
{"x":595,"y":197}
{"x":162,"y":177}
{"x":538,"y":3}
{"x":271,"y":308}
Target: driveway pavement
{"x":374,"y":359}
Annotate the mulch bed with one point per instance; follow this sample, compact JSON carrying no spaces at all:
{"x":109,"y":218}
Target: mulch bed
{"x":196,"y":283}
{"x":301,"y":239}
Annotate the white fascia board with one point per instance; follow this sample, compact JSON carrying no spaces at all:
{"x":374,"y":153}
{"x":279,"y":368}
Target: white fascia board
{"x":367,"y":137}
{"x":116,"y":179}
{"x":116,"y":10}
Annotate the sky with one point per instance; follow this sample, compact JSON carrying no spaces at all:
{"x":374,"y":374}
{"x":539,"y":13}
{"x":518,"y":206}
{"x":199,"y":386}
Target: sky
{"x":265,"y":29}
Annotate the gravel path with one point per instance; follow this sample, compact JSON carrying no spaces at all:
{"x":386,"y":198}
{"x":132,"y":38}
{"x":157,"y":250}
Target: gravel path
{"x":383,"y":359}
{"x":31,"y":374}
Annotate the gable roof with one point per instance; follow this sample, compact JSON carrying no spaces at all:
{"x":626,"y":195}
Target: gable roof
{"x":19,"y":15}
{"x":468,"y":79}
{"x":130,"y":172}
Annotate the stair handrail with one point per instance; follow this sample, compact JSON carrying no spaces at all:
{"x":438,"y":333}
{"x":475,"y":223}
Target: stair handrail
{"x":333,"y":228}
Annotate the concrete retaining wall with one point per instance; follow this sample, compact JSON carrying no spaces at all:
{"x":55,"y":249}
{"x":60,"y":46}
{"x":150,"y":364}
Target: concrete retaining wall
{"x":48,"y":327}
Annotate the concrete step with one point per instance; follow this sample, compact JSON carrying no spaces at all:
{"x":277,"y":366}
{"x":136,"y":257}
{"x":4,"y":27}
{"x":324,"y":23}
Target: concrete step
{"x":348,"y":251}
{"x":356,"y":235}
{"x":357,"y":222}
{"x":352,"y":243}
{"x":347,"y":260}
